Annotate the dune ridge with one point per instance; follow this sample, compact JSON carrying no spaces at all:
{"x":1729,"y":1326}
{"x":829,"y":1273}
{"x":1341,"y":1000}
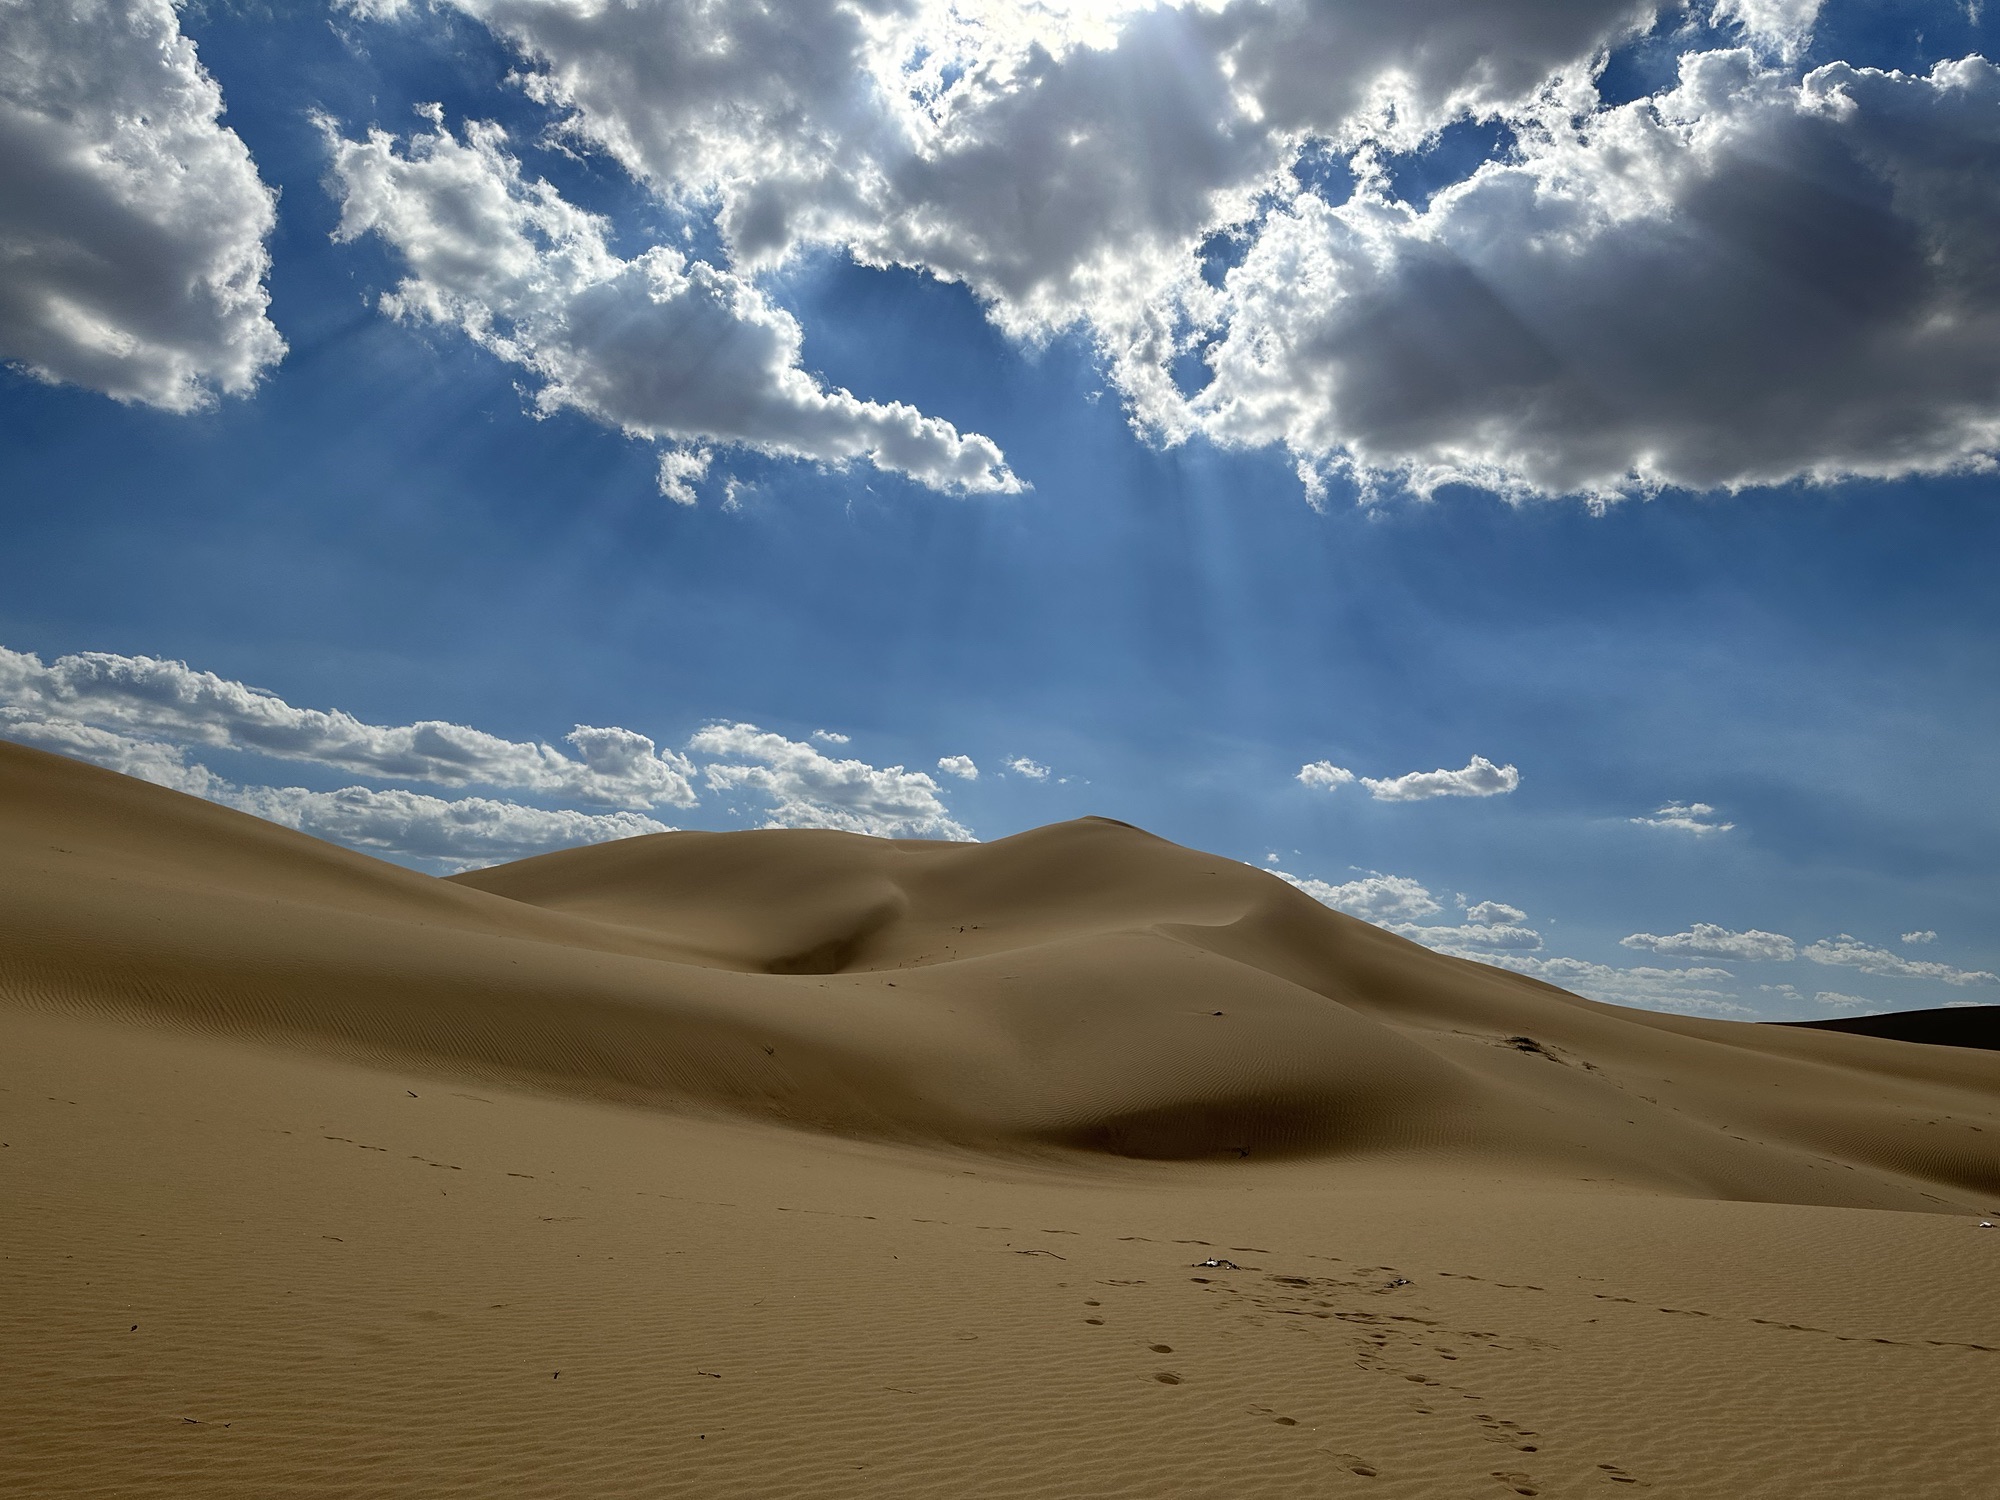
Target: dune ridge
{"x":1083,"y":988}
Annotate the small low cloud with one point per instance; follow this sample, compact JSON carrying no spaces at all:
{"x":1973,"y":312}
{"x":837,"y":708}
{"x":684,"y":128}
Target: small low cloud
{"x":1695,"y":991}
{"x":1915,"y":939}
{"x":1373,"y":898}
{"x":1707,"y":940}
{"x":444,"y":833}
{"x":1034,"y":770}
{"x":961,"y":766}
{"x":1834,"y":999}
{"x":171,"y":701}
{"x":1493,"y":914}
{"x":1479,"y":778}
{"x":807,"y":789}
{"x":1697,"y":818}
{"x":1325,"y":775}
{"x":1849,"y":951}
{"x":454,"y":833}
{"x":1474,"y":940}
{"x":830,"y":737}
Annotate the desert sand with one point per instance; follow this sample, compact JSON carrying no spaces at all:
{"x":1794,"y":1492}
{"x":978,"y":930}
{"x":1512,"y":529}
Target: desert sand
{"x":799,"y":1163}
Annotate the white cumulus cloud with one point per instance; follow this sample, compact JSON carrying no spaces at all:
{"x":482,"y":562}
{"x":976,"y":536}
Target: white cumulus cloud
{"x":1697,"y":991}
{"x":1686,"y":817}
{"x":1325,"y":775}
{"x":1034,"y":770}
{"x":1754,"y":275}
{"x":1473,"y":940}
{"x":807,"y":789}
{"x":1920,"y":937}
{"x":171,"y":700}
{"x":1837,"y":1000}
{"x":132,"y":222}
{"x":450,"y":834}
{"x":1479,"y":778}
{"x":1850,"y":952}
{"x":660,"y":346}
{"x":1707,"y":940}
{"x":1375,"y":897}
{"x":961,"y":766}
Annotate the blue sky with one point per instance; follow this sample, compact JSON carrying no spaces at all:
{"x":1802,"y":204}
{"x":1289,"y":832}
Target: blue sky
{"x":1140,"y":498}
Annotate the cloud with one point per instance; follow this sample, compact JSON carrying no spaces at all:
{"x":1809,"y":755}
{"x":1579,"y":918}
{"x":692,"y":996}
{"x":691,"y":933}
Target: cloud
{"x":961,"y":766}
{"x":149,"y":760}
{"x":1749,"y":277}
{"x":1746,"y":279}
{"x":1063,"y":161}
{"x":1706,"y":940}
{"x":1034,"y":770}
{"x":1687,"y":817}
{"x":1689,"y":990}
{"x":1325,"y":774}
{"x":171,"y":700}
{"x":660,"y":346}
{"x":1852,"y":953}
{"x":1474,"y":940}
{"x":1493,"y":914}
{"x":830,"y":737}
{"x":1843,"y":1002}
{"x":1375,"y":897}
{"x":807,"y":789}
{"x":1480,"y":778}
{"x":458,"y":833}
{"x":450,"y":834}
{"x":1915,"y":938}
{"x":132,"y":222}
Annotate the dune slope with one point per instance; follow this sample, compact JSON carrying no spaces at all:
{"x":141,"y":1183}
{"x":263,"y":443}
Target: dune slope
{"x":1080,"y":988}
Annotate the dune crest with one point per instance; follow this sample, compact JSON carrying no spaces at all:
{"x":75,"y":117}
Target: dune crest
{"x":1085,"y":987}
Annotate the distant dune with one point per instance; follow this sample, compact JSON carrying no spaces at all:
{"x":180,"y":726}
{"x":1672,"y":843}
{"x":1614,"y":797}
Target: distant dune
{"x":213,"y":1021}
{"x":1947,"y":1026}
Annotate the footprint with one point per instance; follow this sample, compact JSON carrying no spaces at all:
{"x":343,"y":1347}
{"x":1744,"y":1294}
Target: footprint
{"x":1095,"y":1322}
{"x":1167,"y":1377}
{"x":1286,"y":1421}
{"x":1161,"y":1348}
{"x":1520,"y":1484}
{"x":1358,"y":1465}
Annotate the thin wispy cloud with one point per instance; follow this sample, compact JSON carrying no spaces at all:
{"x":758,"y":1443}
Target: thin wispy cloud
{"x":1850,"y":952}
{"x":1697,"y":818}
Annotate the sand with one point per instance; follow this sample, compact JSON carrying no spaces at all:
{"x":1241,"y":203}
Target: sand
{"x":796,"y":1163}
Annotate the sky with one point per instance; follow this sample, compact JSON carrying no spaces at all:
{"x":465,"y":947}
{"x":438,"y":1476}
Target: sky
{"x":1522,"y":470}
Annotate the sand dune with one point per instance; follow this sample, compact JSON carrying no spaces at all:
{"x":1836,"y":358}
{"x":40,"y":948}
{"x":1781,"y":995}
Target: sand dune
{"x":1947,"y":1026}
{"x":1084,"y":986}
{"x":1082,"y":1023}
